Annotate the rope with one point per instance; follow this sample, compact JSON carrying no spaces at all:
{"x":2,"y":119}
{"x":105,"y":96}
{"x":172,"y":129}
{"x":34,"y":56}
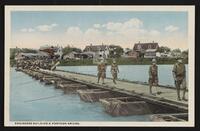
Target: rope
{"x":44,"y":98}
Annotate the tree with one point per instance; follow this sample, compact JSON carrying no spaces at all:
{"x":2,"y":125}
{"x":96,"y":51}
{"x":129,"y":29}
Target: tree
{"x":185,"y":54}
{"x":27,"y":50}
{"x":163,"y":49}
{"x":69,"y":49}
{"x":176,"y":52}
{"x":115,"y":51}
{"x":13,"y":51}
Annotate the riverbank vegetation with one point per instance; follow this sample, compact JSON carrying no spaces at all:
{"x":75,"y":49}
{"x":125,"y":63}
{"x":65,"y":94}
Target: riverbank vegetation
{"x":117,"y":56}
{"x":121,"y":61}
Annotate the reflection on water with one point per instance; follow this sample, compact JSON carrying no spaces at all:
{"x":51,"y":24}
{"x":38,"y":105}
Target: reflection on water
{"x":130,"y":72}
{"x":67,"y":107}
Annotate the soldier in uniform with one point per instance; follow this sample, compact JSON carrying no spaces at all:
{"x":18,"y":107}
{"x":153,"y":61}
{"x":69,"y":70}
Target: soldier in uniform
{"x":114,"y":71}
{"x":101,"y":71}
{"x":153,"y":75}
{"x":179,"y":75}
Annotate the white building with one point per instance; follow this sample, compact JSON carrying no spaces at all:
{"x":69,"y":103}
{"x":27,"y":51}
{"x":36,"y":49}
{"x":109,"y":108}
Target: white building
{"x":71,"y":55}
{"x":150,"y":53}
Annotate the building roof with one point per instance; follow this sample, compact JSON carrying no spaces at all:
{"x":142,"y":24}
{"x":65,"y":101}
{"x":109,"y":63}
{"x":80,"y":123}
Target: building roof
{"x":48,"y":48}
{"x":95,"y":48}
{"x":145,"y":46}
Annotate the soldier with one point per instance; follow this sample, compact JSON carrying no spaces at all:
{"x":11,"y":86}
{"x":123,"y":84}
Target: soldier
{"x":101,"y":71}
{"x":114,"y":70}
{"x":179,"y":75}
{"x":153,"y":75}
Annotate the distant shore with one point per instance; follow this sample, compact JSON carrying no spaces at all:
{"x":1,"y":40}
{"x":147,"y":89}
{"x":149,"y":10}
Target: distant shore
{"x":120,"y":61}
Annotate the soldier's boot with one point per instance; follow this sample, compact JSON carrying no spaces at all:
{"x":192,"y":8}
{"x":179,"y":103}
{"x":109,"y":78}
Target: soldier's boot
{"x":150,"y":90}
{"x":114,"y":81}
{"x":178,"y":94}
{"x":98,"y":79}
{"x":103,"y":81}
{"x":183,"y":98}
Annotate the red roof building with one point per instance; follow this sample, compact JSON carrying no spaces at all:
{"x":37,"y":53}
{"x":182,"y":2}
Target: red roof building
{"x":142,"y":47}
{"x":147,"y":49}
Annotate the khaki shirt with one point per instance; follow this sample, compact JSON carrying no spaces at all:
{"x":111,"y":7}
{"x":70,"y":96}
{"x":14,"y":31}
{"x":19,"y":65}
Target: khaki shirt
{"x":153,"y":70}
{"x":114,"y":68}
{"x":102,"y":67}
{"x":179,"y":70}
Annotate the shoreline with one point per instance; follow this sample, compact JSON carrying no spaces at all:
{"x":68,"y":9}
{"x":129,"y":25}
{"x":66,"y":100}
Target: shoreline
{"x":119,"y":61}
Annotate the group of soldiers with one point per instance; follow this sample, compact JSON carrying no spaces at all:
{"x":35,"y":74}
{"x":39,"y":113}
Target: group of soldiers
{"x":35,"y":63}
{"x":179,"y":74}
{"x":102,"y":71}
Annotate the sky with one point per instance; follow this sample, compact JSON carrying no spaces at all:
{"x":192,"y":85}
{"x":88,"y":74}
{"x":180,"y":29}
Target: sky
{"x":32,"y":29}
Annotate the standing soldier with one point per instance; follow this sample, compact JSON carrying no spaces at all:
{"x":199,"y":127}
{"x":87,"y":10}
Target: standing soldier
{"x":101,"y":71}
{"x":153,"y":75}
{"x":114,"y":71}
{"x":179,"y":78}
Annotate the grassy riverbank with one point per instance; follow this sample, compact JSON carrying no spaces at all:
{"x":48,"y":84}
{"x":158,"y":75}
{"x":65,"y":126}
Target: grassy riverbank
{"x":120,"y":61}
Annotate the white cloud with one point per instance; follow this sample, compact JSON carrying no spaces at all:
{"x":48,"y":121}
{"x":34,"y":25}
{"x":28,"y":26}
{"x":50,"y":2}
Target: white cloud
{"x":97,"y":25}
{"x":27,"y":30}
{"x":113,"y":26}
{"x":154,"y":32}
{"x":54,"y":25}
{"x":73,"y":35}
{"x":93,"y":35}
{"x":23,"y":30}
{"x":124,"y":33}
{"x":74,"y":31}
{"x":31,"y":30}
{"x":46,"y":28}
{"x":133,"y":23}
{"x":171,"y":28}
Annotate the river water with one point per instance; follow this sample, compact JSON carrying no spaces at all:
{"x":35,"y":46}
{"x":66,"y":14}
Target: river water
{"x":130,"y":72}
{"x":24,"y":103}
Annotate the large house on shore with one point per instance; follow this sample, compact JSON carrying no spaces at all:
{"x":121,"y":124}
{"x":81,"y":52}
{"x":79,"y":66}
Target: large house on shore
{"x":146,"y":50}
{"x":100,"y":51}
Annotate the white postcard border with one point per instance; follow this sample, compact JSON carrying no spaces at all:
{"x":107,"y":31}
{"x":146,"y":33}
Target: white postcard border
{"x":191,"y":42}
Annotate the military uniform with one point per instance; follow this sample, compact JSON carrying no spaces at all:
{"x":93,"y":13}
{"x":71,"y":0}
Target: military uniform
{"x":153,"y":75}
{"x":101,"y":72}
{"x":114,"y":71}
{"x":179,"y":76}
